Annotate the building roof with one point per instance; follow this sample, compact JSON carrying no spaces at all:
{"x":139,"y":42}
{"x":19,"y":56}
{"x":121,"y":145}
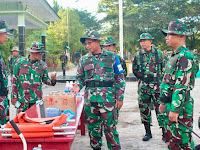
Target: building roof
{"x":37,"y":13}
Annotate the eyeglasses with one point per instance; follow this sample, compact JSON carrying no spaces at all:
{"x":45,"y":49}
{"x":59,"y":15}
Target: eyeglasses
{"x":88,"y":43}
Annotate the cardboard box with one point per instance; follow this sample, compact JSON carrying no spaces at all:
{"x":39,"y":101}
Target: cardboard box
{"x":62,"y":101}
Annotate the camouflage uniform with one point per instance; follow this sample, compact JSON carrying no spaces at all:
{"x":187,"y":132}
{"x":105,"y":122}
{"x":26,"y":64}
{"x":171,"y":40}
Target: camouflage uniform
{"x":149,"y":71}
{"x":12,"y":60}
{"x":148,"y":90}
{"x":196,"y":56}
{"x":179,"y":79}
{"x":27,"y":79}
{"x":108,"y":42}
{"x":63,"y":59}
{"x":100,"y":98}
{"x":4,"y":101}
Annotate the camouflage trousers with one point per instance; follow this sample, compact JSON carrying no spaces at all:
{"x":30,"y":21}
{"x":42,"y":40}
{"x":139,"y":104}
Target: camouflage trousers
{"x":147,"y":95}
{"x":97,"y":114}
{"x":4,"y":109}
{"x":178,"y":136}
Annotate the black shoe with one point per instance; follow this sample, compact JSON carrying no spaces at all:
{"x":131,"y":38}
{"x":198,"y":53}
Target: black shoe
{"x":148,"y":133}
{"x":96,"y":148}
{"x":163,"y":135}
{"x":147,"y":137}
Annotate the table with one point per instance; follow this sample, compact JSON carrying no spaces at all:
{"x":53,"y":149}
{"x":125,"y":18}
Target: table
{"x":50,"y":143}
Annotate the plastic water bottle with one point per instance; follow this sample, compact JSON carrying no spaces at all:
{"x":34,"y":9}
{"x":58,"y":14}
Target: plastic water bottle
{"x":38,"y":148}
{"x":67,"y":87}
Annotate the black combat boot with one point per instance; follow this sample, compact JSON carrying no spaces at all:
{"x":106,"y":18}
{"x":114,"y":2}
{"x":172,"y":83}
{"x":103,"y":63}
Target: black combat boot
{"x":96,"y":148}
{"x":148,"y":133}
{"x":163,"y":135}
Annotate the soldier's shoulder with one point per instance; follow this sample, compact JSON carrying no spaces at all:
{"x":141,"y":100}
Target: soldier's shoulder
{"x":187,"y":53}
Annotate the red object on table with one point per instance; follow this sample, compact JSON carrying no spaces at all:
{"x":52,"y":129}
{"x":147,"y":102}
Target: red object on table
{"x":56,"y":142}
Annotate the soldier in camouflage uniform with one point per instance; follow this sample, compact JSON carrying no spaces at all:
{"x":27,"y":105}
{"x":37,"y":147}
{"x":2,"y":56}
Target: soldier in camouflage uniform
{"x":196,"y":56}
{"x":148,"y":66}
{"x":110,"y":45}
{"x":178,"y":81}
{"x":4,"y":101}
{"x":96,"y":72}
{"x":12,"y":59}
{"x":63,"y":59}
{"x":28,"y":75}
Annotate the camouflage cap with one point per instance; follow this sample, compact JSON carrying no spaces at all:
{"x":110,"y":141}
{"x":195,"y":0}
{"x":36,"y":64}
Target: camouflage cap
{"x":37,"y":47}
{"x":3,"y":27}
{"x":176,"y":27}
{"x":15,"y":49}
{"x":90,"y":35}
{"x":145,"y":36}
{"x":109,"y":41}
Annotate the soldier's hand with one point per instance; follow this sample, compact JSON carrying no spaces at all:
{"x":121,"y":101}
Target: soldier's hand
{"x":75,"y":88}
{"x":173,"y":116}
{"x":162,"y":107}
{"x":14,"y":100}
{"x":118,"y":104}
{"x":53,"y":76}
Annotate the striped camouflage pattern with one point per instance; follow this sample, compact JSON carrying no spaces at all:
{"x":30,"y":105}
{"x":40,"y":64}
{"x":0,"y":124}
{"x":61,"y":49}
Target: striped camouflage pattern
{"x":27,"y":79}
{"x":179,"y":78}
{"x":149,"y":92}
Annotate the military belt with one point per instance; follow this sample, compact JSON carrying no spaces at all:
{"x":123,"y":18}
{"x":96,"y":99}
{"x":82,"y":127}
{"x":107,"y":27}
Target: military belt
{"x":147,"y":80}
{"x":99,"y":84}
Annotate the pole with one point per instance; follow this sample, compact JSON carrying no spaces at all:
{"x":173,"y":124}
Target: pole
{"x":121,"y":27}
{"x":68,"y":26}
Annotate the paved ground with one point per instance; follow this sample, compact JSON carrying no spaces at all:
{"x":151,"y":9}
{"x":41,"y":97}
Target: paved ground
{"x":129,"y":127}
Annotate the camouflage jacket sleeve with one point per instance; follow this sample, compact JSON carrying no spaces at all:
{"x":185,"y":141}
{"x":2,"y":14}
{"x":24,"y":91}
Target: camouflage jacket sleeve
{"x":9,"y":63}
{"x":162,"y":64}
{"x":135,"y":66}
{"x":179,"y":80}
{"x":120,"y":86}
{"x":45,"y":78}
{"x":15,"y":80}
{"x":80,"y":75}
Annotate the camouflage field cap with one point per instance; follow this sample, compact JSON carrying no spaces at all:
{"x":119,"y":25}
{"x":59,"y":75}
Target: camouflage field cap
{"x":90,"y":35}
{"x":176,"y":27}
{"x":145,"y":36}
{"x":109,"y":41}
{"x":15,"y":49}
{"x":3,"y":27}
{"x":37,"y":47}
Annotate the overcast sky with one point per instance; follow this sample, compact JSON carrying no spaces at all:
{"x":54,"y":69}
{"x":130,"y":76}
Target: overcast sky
{"x":89,"y":5}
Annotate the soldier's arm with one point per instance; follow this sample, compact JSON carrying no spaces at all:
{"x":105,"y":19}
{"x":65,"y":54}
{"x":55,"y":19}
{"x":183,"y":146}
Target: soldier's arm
{"x":135,"y":67}
{"x":15,"y":80}
{"x":120,"y":86}
{"x":80,"y":75}
{"x":46,"y":79}
{"x":183,"y":76}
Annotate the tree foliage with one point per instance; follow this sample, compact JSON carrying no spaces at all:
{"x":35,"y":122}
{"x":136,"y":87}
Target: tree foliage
{"x":152,"y":16}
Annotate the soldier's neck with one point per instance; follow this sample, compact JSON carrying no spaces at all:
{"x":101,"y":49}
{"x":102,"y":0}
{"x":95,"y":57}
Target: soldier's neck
{"x":178,"y":45}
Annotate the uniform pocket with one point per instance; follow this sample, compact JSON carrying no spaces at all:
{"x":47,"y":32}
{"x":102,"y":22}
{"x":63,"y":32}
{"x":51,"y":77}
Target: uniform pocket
{"x":89,"y":71}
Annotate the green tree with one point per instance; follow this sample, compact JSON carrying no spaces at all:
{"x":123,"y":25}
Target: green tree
{"x":88,"y":20}
{"x":152,"y":16}
{"x":57,"y":33}
{"x":6,"y":47}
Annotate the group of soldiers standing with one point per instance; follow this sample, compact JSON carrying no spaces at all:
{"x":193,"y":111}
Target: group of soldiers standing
{"x":164,"y":83}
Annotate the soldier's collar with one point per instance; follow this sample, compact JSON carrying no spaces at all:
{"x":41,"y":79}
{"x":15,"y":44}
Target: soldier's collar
{"x":179,"y":49}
